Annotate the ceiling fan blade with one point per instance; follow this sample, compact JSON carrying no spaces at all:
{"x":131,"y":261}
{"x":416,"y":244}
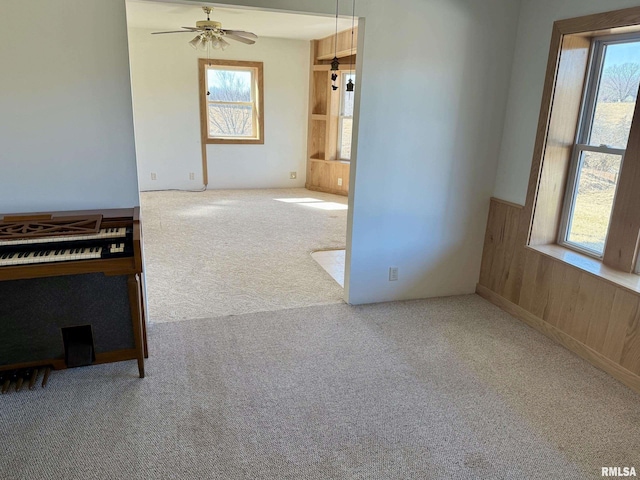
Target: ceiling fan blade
{"x":173,"y":31}
{"x":193,"y":29}
{"x":239,"y":39}
{"x":240,"y":33}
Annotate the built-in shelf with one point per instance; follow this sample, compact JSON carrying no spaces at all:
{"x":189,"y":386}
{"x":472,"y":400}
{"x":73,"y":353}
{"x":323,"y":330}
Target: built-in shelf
{"x":329,"y":161}
{"x":340,"y":54}
{"x":324,"y":172}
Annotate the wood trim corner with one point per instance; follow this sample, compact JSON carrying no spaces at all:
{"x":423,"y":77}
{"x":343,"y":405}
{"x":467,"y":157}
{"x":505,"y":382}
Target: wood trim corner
{"x":592,"y":24}
{"x":541,"y":132}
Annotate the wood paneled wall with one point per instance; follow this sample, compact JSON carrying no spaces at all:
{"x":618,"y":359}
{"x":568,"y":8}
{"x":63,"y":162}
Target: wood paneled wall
{"x":593,"y":317}
{"x":347,"y":45}
{"x":325,"y":175}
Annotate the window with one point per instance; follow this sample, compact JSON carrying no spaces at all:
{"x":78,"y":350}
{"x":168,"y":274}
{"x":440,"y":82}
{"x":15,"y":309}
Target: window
{"x":585,"y":174}
{"x":346,"y":117}
{"x":231,"y":107}
{"x":583,"y":189}
{"x":607,"y":110}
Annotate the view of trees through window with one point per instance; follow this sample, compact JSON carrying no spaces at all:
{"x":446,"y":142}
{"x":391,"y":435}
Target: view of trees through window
{"x":605,"y":128}
{"x":229,"y":103}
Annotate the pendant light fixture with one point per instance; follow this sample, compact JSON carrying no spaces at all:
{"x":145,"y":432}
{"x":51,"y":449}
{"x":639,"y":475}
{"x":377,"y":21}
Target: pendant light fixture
{"x":353,"y":21}
{"x":335,"y":64}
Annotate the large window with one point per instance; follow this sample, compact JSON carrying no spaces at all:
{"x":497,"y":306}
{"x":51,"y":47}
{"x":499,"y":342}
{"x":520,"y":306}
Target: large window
{"x":346,"y":117}
{"x":231,"y":101}
{"x":607,"y":110}
{"x":585,"y":175}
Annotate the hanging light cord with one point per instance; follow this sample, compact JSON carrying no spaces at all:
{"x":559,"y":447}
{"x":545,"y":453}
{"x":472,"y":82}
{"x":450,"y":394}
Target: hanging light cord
{"x":353,"y":21}
{"x":335,"y":39}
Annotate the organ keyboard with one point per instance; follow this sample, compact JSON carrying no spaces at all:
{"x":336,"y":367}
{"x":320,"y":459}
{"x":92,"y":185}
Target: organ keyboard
{"x":104,"y":233}
{"x":23,"y":257}
{"x":76,"y":261}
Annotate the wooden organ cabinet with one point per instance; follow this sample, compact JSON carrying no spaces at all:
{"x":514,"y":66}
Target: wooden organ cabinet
{"x":326,"y":172}
{"x":71,"y":291}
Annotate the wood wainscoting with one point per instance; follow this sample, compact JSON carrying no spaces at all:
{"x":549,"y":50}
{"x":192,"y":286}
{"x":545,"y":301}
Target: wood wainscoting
{"x":330,"y":176}
{"x":592,"y":316}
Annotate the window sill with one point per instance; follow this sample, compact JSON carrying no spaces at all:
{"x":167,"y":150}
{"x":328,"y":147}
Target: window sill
{"x":628,"y":281}
{"x":235,"y":141}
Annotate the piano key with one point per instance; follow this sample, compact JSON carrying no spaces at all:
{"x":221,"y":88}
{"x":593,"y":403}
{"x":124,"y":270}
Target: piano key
{"x":25,"y":258}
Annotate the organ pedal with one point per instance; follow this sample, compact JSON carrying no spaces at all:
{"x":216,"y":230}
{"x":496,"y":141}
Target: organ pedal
{"x":19,"y":376}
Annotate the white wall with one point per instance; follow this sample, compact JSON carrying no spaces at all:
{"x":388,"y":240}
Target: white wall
{"x":66,"y":129}
{"x":431,"y":117}
{"x":527,"y":82}
{"x":433,"y":94}
{"x":164,"y":72}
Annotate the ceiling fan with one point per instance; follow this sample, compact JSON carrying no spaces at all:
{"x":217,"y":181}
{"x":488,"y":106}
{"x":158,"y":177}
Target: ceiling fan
{"x":211,"y":32}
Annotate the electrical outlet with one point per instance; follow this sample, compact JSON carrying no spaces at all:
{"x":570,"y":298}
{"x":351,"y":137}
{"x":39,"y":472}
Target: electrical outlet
{"x":293,"y":175}
{"x":192,"y":176}
{"x":393,"y":274}
{"x":153,"y":176}
{"x":339,"y":182}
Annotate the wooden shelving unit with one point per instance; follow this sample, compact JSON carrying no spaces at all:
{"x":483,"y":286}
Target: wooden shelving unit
{"x":325,"y":172}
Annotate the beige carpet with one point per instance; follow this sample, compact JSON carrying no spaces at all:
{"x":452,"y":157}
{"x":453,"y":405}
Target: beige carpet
{"x":448,"y":388}
{"x":228,"y":252}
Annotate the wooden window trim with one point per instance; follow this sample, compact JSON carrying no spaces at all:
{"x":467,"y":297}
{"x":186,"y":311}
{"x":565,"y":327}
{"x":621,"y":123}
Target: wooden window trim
{"x":557,"y":125}
{"x":202,"y":86}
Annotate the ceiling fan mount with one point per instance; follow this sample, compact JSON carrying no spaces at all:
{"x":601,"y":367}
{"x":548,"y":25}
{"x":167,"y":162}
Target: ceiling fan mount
{"x":208,"y":24}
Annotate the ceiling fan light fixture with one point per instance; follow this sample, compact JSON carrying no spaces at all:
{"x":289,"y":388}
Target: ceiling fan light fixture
{"x":195,"y":42}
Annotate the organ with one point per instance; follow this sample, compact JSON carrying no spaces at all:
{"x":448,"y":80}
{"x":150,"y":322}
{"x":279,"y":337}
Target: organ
{"x":71,"y":289}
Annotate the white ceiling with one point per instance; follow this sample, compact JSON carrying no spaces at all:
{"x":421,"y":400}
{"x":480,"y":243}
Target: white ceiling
{"x":171,"y":16}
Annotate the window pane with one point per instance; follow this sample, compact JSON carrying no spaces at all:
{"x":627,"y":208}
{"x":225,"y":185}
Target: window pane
{"x":230,"y":120}
{"x":597,"y":180}
{"x":345,"y":138}
{"x":616,"y":96}
{"x":229,"y":85}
